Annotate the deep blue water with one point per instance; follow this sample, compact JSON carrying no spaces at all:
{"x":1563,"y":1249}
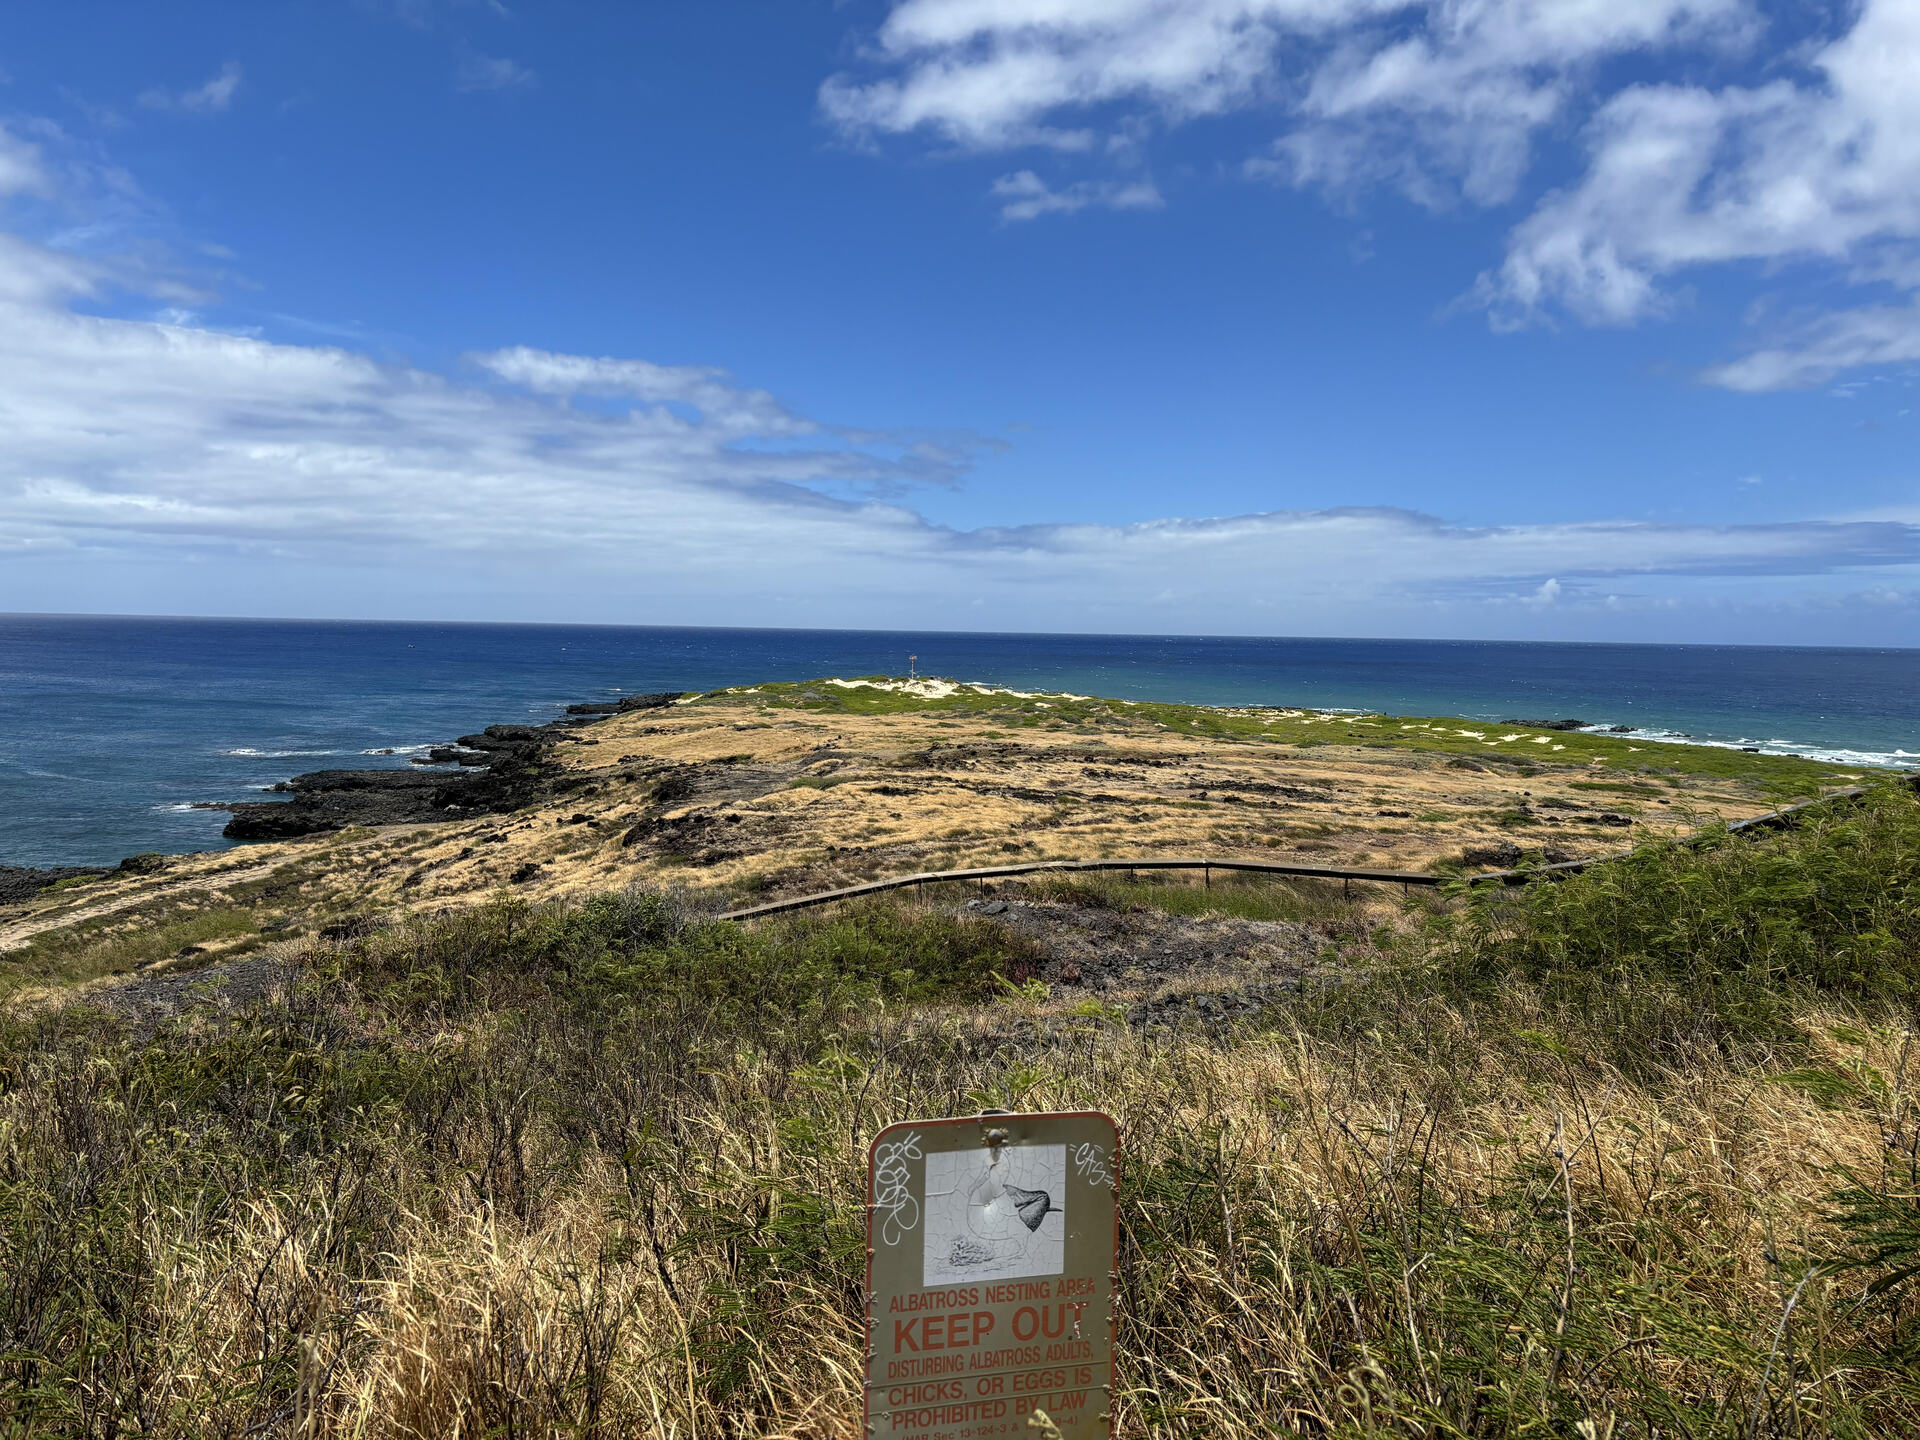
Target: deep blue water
{"x":110,"y":729}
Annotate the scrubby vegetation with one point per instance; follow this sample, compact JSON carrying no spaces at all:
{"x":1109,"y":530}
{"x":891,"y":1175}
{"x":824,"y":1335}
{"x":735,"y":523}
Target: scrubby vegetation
{"x":1242,"y":896}
{"x":1631,"y":1154}
{"x":1506,"y":745}
{"x":107,"y":949}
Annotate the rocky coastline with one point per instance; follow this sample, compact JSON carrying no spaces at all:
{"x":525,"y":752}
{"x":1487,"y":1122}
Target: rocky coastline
{"x":23,"y":882}
{"x":499,"y":769}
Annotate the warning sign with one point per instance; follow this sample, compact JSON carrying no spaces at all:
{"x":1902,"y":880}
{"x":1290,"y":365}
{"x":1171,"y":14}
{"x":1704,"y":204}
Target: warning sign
{"x":991,"y":1244}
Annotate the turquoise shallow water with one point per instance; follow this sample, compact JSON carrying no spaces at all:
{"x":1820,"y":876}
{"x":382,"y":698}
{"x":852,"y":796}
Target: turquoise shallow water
{"x":111,"y":729}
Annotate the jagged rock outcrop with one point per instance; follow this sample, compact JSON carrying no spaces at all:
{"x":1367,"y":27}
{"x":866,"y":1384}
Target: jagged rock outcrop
{"x":23,"y":882}
{"x":627,"y":703}
{"x":502,"y":769}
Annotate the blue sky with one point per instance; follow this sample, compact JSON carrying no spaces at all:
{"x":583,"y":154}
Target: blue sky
{"x":1511,"y":318}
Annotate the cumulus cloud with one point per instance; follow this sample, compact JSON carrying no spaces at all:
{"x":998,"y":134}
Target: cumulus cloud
{"x":208,"y":99}
{"x":1813,"y":158}
{"x":159,"y":447}
{"x":1433,"y":97}
{"x":144,"y":440}
{"x":1826,"y":169}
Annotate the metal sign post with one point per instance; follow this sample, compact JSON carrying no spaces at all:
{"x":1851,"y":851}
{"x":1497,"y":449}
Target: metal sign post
{"x":991,"y":1244}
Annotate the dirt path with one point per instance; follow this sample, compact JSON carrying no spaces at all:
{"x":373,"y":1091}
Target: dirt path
{"x":21,"y":931}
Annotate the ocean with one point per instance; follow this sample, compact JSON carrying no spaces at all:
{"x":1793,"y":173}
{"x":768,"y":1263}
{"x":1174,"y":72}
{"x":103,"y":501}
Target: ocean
{"x":112,"y":729}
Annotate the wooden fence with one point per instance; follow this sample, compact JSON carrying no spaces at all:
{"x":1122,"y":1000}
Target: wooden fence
{"x":1207,"y":864}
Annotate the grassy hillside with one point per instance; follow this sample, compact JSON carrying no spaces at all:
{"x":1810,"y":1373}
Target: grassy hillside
{"x":773,"y":791}
{"x":1632,"y":1154}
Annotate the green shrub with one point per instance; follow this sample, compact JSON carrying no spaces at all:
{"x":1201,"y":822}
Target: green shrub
{"x":1717,"y":939}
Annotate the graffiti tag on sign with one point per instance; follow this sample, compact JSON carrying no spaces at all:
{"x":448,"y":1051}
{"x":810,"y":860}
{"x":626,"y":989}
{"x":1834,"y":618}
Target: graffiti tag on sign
{"x":991,"y":1246}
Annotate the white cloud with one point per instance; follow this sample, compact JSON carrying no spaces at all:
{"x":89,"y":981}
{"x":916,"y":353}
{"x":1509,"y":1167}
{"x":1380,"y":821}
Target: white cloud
{"x":1025,"y":196}
{"x":1813,"y":160}
{"x":214,"y":96}
{"x":145,"y":441}
{"x":1823,"y":170}
{"x":486,"y":72}
{"x":1431,"y":97}
{"x":1454,"y":103}
{"x":709,"y":392}
{"x":289,"y":478}
{"x":1824,"y":347}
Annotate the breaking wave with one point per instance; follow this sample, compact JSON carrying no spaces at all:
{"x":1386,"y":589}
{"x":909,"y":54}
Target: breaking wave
{"x":1896,"y":759}
{"x":247,"y":752}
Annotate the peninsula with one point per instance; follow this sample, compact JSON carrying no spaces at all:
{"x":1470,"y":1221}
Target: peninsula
{"x":760,"y":792}
{"x":458,"y":1110}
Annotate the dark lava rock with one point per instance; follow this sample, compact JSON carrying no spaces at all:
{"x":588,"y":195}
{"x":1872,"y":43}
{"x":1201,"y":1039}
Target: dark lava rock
{"x":19,"y":883}
{"x":1609,"y":818}
{"x":1619,"y":729}
{"x":695,"y":838}
{"x":452,"y":755}
{"x":1549,"y":724}
{"x":1131,"y":950}
{"x":627,"y":704}
{"x":1215,"y":1012}
{"x":501,"y":737}
{"x":333,"y":799}
{"x":510,"y":776}
{"x":501,"y":769}
{"x":223,"y":990}
{"x":1505,"y":854}
{"x":674,"y":788}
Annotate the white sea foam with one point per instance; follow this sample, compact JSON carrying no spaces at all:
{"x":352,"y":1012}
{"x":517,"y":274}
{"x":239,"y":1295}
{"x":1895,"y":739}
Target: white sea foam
{"x":247,"y":752}
{"x":1896,"y":759}
{"x":398,"y":750}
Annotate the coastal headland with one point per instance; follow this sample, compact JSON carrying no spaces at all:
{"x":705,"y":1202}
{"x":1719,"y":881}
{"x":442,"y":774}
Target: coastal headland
{"x":457,"y":1110}
{"x":761,"y":792}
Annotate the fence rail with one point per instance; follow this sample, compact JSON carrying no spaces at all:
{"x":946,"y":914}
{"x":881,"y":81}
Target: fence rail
{"x":1207,"y":864}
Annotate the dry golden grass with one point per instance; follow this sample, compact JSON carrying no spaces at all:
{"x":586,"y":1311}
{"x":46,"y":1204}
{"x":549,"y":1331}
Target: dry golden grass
{"x":1309,"y":1231}
{"x":597,"y":1171}
{"x":1632,"y":1155}
{"x":757,"y":793}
